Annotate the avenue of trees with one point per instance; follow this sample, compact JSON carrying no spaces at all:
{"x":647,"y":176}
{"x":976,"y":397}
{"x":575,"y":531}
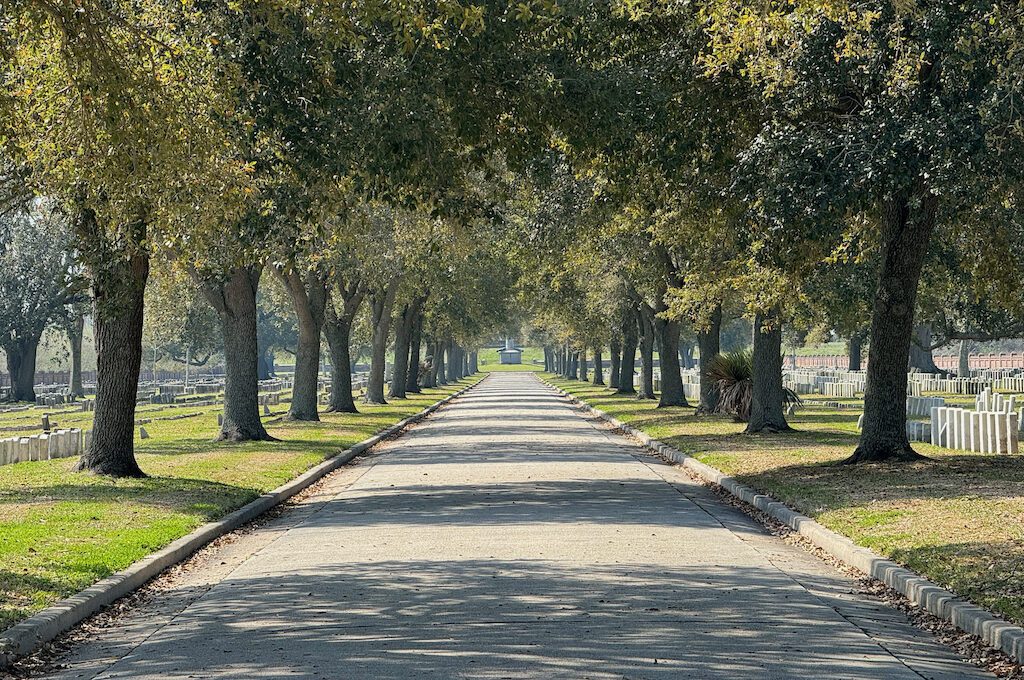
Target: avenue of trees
{"x":639,"y":172}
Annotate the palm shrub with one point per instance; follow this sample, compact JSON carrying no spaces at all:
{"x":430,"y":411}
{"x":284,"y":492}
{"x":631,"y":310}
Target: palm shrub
{"x":733,"y":372}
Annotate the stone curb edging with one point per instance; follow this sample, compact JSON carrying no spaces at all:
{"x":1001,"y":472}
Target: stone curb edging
{"x":966,"y":616}
{"x":28,"y":635}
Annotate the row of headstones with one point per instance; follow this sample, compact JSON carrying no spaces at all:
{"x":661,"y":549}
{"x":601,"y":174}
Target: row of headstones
{"x":838,"y":389}
{"x":52,"y":399}
{"x":272,"y":399}
{"x":46,"y":446}
{"x":979,"y":431}
{"x":690,"y":376}
{"x":172,"y":398}
{"x":179,"y":400}
{"x":275,"y":385}
{"x":993,"y":401}
{"x":950,"y":385}
{"x":357,"y":386}
{"x":691,"y":390}
{"x":995,"y":373}
{"x":916,"y":406}
{"x":818,"y":382}
{"x":1012,"y":384}
{"x":205,"y":387}
{"x":922,"y":406}
{"x":815,"y":382}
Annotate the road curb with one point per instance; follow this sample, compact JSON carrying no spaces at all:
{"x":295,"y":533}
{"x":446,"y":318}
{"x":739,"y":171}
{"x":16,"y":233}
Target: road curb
{"x":965,"y":615}
{"x":28,"y":635}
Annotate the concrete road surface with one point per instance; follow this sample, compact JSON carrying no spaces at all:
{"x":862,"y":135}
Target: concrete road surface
{"x":509,"y":537}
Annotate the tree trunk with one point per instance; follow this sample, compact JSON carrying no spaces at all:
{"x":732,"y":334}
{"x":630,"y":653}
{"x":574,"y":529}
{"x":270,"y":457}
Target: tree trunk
{"x":645,"y":324}
{"x":583,"y":364}
{"x":453,"y":362}
{"x":338,"y":334}
{"x":671,"y":377}
{"x":431,"y":360}
{"x":615,"y":352}
{"x":412,"y":378}
{"x":766,"y":404}
{"x":76,"y":331}
{"x":627,"y":363}
{"x":574,"y":365}
{"x":598,"y":366}
{"x":382,"y":302}
{"x":440,"y":374}
{"x":119,"y":287}
{"x":709,"y":343}
{"x":309,"y":299}
{"x":404,"y":329}
{"x":403,"y":338}
{"x":964,"y":368}
{"x":338,"y":331}
{"x":667,"y":332}
{"x":907,"y":227}
{"x":21,"y":364}
{"x":474,"y":362}
{"x":855,"y":347}
{"x":920,"y":355}
{"x":235,"y":302}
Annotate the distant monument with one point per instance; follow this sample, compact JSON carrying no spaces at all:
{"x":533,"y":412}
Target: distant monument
{"x":511,"y":354}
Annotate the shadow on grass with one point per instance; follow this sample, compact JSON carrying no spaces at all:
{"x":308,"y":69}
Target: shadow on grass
{"x":208,"y":499}
{"x":19,"y":592}
{"x":945,"y":477}
{"x":986,"y":572}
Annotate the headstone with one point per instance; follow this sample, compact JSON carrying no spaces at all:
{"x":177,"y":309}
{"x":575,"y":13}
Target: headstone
{"x":40,"y":446}
{"x":46,"y":423}
{"x":1012,"y":429}
{"x":143,"y":434}
{"x":266,"y":410}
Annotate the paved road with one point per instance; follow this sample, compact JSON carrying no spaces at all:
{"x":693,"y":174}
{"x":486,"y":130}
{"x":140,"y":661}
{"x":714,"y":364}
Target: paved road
{"x":508,"y":537}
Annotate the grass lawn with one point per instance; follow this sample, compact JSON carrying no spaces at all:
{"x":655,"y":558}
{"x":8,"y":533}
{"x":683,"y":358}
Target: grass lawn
{"x":958,"y":519}
{"x":60,"y":531}
{"x":533,"y":360}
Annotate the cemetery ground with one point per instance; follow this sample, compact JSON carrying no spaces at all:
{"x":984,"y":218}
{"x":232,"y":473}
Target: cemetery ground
{"x":957,"y":518}
{"x":61,"y":530}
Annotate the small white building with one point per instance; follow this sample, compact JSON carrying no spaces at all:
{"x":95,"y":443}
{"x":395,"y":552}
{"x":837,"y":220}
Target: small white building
{"x":511,"y":354}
